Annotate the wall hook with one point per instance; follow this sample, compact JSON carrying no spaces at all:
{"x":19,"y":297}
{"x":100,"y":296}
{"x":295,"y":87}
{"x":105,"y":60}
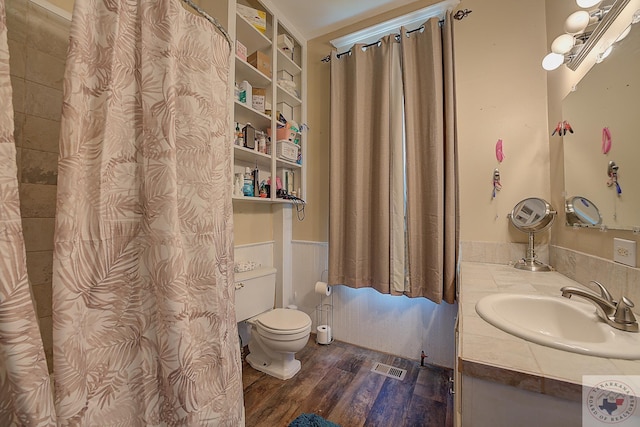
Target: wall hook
{"x":612,"y":173}
{"x":497,"y":186}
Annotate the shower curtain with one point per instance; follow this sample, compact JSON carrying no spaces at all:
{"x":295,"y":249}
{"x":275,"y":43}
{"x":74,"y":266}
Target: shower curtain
{"x":143,"y":311}
{"x":25,"y":393}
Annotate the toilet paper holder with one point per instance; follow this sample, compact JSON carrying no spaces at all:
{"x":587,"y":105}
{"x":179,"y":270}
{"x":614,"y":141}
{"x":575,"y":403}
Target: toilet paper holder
{"x":324,"y":313}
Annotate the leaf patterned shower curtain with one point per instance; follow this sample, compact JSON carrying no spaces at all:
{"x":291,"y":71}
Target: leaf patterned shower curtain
{"x":143,"y":310}
{"x":25,"y":393}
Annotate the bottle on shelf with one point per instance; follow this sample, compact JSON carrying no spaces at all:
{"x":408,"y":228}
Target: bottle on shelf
{"x":256,"y":181}
{"x":262,"y":143}
{"x":249,"y":134}
{"x":237,"y":188}
{"x":239,"y":136}
{"x":247,"y":188}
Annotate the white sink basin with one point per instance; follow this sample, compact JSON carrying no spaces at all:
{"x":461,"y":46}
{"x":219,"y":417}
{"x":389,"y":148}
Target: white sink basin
{"x":558,"y":322}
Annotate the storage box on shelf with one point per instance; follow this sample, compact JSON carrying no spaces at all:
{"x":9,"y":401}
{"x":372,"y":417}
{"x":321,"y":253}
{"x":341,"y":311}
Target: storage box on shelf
{"x":261,"y":62}
{"x":256,"y":17}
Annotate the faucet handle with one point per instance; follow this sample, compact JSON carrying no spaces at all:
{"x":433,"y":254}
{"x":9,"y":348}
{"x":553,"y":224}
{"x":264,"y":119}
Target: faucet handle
{"x":623,"y":312}
{"x":604,"y":292}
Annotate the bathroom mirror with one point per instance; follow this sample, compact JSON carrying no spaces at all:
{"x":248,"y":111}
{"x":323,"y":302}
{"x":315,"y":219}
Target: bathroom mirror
{"x":581,"y":212}
{"x":532,"y":215}
{"x":607,"y":97}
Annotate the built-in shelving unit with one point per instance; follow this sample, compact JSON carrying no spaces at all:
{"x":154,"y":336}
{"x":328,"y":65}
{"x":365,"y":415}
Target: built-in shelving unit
{"x":280,"y":96}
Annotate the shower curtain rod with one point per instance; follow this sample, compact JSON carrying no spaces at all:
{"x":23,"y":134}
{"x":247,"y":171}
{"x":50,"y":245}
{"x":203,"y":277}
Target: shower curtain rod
{"x":459,"y":15}
{"x":211,"y":19}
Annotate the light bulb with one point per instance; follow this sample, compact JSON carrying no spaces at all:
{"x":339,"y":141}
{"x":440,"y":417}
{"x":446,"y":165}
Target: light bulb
{"x":623,"y":34}
{"x":563,"y":44}
{"x":577,"y":22}
{"x":586,"y":4}
{"x":552,"y":61}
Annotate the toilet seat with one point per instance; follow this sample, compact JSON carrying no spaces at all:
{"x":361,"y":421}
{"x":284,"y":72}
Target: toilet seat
{"x":282,"y":321}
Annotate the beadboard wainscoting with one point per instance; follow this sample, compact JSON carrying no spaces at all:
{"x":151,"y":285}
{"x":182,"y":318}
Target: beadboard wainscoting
{"x":391,"y":324}
{"x":260,"y":253}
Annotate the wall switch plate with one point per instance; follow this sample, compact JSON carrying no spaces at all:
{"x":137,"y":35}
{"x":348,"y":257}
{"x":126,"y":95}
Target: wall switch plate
{"x":624,"y":252}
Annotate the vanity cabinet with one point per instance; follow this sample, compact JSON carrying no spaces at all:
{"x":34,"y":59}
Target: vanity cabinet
{"x":274,"y":70}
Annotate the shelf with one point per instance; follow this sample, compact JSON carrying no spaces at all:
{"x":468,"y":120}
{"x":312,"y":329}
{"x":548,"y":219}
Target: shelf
{"x":250,"y":36}
{"x":286,"y":63}
{"x":245,"y":114}
{"x":284,"y":95}
{"x":260,"y":200}
{"x":252,"y":199}
{"x":276,"y":96}
{"x":246,"y":71}
{"x":251,"y":156}
{"x":280,"y":163}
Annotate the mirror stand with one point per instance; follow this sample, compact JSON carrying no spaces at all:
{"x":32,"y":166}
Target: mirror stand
{"x":530,"y":263}
{"x":531,"y":216}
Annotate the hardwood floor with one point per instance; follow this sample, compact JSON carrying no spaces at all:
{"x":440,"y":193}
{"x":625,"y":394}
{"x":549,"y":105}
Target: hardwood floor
{"x":336,"y":383}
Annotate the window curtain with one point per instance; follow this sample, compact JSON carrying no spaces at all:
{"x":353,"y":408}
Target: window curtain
{"x":143,"y":298}
{"x":422,"y":227}
{"x":25,"y":389}
{"x":362,"y":89}
{"x":432,"y":208}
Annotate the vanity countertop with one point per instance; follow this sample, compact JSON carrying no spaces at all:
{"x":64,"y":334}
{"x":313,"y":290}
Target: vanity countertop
{"x":488,"y":353}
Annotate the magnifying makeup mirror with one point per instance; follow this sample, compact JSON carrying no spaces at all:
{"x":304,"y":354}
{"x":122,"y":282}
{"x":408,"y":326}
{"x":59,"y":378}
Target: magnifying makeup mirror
{"x":581,"y":212}
{"x":532,"y":215}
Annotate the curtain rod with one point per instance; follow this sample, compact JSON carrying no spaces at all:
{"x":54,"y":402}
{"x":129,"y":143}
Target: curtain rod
{"x":459,"y":15}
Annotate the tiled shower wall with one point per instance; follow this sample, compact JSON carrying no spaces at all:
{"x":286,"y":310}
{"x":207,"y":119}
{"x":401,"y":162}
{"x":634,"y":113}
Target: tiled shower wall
{"x":38,"y":43}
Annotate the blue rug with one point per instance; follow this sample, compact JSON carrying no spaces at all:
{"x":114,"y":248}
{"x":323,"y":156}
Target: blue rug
{"x":311,"y":420}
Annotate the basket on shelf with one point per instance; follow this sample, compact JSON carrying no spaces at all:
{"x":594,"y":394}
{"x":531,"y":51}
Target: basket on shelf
{"x":286,"y":150}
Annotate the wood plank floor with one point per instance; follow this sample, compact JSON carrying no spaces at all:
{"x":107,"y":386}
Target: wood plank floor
{"x":336,"y":383}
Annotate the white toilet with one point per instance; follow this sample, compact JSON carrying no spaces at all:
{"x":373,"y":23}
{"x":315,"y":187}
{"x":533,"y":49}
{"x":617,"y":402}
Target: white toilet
{"x":276,"y":334}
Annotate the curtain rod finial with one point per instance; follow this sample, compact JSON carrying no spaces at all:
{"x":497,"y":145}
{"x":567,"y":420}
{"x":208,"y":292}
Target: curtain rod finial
{"x":461,"y":14}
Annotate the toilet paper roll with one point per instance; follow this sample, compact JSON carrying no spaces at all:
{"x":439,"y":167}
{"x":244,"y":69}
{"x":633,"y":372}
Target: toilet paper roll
{"x":323,"y":334}
{"x":322,"y":288}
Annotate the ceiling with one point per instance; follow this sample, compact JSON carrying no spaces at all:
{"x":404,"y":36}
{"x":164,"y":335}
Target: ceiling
{"x":313,"y":18}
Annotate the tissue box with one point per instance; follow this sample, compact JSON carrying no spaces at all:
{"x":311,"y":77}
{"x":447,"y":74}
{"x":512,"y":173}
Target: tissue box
{"x":241,"y":50}
{"x":285,"y":42}
{"x":258,"y":99}
{"x":261,"y":62}
{"x":257,"y":18}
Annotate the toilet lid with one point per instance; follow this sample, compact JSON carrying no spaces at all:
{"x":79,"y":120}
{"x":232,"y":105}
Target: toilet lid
{"x":282,"y":319}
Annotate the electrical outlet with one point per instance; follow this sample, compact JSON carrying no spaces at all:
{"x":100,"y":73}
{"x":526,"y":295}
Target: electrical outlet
{"x":624,"y":252}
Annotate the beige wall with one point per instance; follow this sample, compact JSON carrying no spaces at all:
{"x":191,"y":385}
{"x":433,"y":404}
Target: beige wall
{"x":253,"y":222}
{"x":501,"y":92}
{"x":38,"y":47}
{"x":63,"y":4}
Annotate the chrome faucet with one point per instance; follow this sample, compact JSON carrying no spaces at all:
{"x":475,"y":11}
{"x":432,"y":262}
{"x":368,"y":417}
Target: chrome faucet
{"x":616,"y":314}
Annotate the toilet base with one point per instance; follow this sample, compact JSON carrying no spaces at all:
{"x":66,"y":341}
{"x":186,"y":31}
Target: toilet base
{"x":284,"y":367}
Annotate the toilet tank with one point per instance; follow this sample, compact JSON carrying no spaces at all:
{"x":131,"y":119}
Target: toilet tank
{"x":255,"y":292}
